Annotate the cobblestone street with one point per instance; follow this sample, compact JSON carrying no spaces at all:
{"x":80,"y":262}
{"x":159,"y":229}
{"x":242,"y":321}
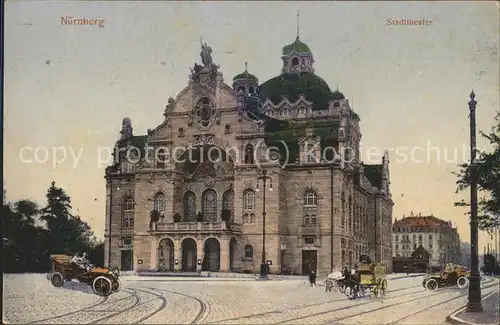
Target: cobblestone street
{"x":32,"y":299}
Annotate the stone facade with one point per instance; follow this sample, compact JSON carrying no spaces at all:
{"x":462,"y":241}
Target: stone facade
{"x":166,"y":211}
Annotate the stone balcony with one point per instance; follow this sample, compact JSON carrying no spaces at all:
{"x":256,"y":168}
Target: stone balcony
{"x":197,"y":227}
{"x":310,"y":230}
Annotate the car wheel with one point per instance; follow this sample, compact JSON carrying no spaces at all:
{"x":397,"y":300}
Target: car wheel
{"x":431,"y":284}
{"x":57,"y":280}
{"x":102,"y":286}
{"x":462,"y":282}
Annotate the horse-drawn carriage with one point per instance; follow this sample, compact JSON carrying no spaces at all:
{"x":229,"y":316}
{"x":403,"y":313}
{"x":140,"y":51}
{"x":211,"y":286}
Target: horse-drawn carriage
{"x":366,"y":278}
{"x":103,"y":280}
{"x":451,"y":275}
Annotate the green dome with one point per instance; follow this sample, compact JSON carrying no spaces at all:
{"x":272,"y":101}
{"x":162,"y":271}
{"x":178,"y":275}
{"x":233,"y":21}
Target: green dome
{"x":292,"y":85}
{"x":245,"y":75}
{"x":337,"y":95}
{"x":296,"y":46}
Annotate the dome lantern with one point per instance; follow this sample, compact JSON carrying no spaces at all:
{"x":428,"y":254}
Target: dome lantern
{"x":246,"y":82}
{"x":297,"y":57}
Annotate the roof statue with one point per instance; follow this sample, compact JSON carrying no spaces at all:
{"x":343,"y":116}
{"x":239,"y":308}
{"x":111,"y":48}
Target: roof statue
{"x":206,"y":54}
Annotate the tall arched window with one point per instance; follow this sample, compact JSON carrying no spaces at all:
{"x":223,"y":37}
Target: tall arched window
{"x":161,"y":158}
{"x":189,"y":207}
{"x":128,"y":212}
{"x":228,"y":201}
{"x":209,"y":205}
{"x":160,"y":203}
{"x":248,"y":251}
{"x":310,"y":198}
{"x":248,"y":200}
{"x":249,"y":153}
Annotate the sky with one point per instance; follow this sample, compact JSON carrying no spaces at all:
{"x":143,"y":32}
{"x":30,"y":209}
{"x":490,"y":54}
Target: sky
{"x":68,"y":87}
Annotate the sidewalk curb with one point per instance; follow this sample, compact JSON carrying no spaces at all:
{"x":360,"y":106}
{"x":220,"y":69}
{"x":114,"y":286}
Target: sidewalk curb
{"x":453,"y":319}
{"x":226,"y":279}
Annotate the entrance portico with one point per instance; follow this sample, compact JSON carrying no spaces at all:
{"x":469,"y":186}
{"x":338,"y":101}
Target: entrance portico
{"x":184,"y":254}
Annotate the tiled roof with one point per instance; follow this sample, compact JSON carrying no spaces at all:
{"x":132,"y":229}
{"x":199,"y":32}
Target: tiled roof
{"x":419,"y":221}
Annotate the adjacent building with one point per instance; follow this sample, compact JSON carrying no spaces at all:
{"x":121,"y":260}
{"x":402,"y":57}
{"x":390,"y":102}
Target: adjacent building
{"x":323,"y":206}
{"x":438,"y":237}
{"x":465,"y":251}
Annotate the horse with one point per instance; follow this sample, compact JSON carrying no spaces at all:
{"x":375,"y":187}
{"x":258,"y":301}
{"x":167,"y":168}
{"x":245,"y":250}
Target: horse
{"x":352,"y":281}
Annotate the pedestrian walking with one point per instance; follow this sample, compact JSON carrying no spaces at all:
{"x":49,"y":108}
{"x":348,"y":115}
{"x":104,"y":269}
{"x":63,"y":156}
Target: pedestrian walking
{"x":312,"y":279}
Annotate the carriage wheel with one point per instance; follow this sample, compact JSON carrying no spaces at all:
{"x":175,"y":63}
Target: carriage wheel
{"x":462,"y":282}
{"x":383,"y":288}
{"x":57,"y":280}
{"x":424,"y":283}
{"x":102,"y":286}
{"x":342,"y":287}
{"x":431,"y":284}
{"x":117,"y":285}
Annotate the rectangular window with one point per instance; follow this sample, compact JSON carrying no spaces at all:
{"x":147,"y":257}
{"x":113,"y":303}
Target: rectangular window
{"x":309,"y":240}
{"x":127,"y":241}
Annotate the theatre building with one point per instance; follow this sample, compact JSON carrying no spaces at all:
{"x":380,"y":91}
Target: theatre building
{"x":324,"y":207}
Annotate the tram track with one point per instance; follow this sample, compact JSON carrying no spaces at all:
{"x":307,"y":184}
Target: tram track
{"x":98,"y":314}
{"x":204,"y":306}
{"x":101,"y":301}
{"x":257,"y":317}
{"x":125,"y":314}
{"x":399,"y":320}
{"x":340,"y":319}
{"x":306,"y":306}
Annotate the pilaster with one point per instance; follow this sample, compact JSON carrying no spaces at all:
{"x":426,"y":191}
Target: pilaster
{"x":154,"y":254}
{"x":224,"y":255}
{"x":177,"y":255}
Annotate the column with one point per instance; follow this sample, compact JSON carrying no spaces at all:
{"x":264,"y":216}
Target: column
{"x":200,"y":252}
{"x":177,"y":255}
{"x":153,"y":265}
{"x":224,"y":255}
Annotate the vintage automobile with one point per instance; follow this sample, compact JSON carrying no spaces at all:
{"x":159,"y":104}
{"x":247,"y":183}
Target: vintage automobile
{"x":451,"y":275}
{"x":103,"y":280}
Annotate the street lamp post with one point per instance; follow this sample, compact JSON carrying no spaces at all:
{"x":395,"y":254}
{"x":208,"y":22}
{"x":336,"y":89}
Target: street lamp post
{"x":474,"y":302}
{"x":264,"y":178}
{"x":109,"y":221}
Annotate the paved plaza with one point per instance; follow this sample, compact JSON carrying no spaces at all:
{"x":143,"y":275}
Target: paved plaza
{"x":32,"y":299}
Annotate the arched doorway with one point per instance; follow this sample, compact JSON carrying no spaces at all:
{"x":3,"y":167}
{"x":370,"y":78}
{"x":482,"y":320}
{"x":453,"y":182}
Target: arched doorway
{"x":233,"y":245}
{"x":211,"y":262}
{"x":166,"y":255}
{"x":188,"y":255}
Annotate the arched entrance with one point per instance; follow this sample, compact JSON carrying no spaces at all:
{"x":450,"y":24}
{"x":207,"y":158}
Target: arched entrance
{"x":166,"y":255}
{"x":233,"y":245}
{"x":211,"y":262}
{"x":188,"y":255}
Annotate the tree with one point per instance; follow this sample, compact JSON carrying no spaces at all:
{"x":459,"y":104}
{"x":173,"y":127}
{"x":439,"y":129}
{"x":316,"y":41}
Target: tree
{"x":30,"y":244}
{"x":154,"y":217}
{"x":69,"y":234}
{"x":487,"y":169}
{"x":27,"y":249}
